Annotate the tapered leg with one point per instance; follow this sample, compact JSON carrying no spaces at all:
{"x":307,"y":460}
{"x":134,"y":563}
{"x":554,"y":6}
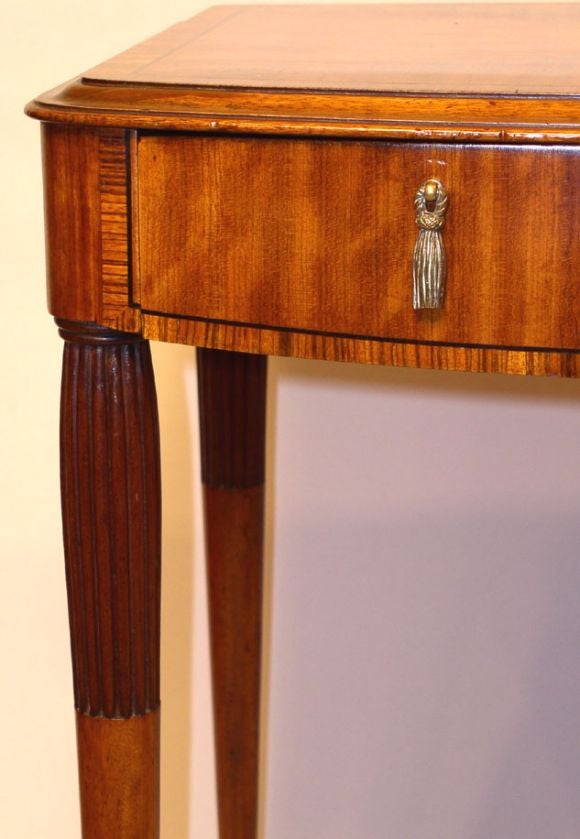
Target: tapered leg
{"x":232,"y":391}
{"x":111,"y":520}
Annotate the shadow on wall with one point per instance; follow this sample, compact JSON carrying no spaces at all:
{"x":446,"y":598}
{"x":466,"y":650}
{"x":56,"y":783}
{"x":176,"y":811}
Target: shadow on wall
{"x":425,"y":628}
{"x":421,"y":658}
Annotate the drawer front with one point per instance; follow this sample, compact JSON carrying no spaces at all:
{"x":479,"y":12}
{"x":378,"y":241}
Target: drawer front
{"x":318,"y":235}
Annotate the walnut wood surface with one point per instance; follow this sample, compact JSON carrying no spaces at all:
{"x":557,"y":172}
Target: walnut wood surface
{"x":318,"y":236}
{"x":111,"y":517}
{"x":519,"y":49}
{"x":232,"y":417}
{"x":119,"y":776}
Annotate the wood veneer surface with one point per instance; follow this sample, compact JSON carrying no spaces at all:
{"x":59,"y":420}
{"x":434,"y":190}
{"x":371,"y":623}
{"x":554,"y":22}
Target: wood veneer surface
{"x":318,"y":236}
{"x":119,"y":776}
{"x":447,"y":48}
{"x":94,"y":251}
{"x":483,"y":73}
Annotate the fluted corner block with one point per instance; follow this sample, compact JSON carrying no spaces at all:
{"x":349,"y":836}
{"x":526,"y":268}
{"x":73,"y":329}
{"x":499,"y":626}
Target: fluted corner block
{"x":111,"y":502}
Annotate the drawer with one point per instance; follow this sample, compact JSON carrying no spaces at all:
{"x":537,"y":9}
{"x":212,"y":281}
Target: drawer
{"x":318,"y":236}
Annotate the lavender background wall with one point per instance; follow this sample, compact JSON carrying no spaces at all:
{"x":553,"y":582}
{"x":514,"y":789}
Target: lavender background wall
{"x":423,"y":653}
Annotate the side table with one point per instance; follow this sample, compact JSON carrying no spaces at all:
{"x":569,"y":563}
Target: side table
{"x":376,"y":184}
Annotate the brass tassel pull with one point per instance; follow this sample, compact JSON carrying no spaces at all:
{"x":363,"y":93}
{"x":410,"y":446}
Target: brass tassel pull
{"x":429,"y":259}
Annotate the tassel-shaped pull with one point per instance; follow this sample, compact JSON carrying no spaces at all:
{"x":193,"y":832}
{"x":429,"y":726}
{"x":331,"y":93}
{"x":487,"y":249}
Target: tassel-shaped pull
{"x":429,"y":260}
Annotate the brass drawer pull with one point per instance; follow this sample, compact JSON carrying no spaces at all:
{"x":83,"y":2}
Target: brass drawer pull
{"x":429,"y":259}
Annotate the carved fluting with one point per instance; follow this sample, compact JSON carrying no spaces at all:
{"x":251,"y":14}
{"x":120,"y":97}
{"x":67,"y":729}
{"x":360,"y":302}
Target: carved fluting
{"x":232,"y":395}
{"x":110,"y":482}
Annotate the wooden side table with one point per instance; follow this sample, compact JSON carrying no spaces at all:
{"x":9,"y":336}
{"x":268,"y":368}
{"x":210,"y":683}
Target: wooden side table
{"x":378,"y":184}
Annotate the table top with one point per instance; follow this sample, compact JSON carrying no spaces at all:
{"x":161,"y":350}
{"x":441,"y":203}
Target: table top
{"x":431,"y":49}
{"x":468,"y":72}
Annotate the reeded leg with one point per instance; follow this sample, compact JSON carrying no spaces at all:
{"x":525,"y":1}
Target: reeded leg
{"x":111,"y":518}
{"x":232,"y":390}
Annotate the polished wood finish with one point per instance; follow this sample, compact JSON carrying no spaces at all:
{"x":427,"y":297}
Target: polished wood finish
{"x":116,"y":248}
{"x":493,"y":319}
{"x":325,"y":271}
{"x":319,"y":236}
{"x":295,"y":239}
{"x":110,"y":479}
{"x":88,"y":239}
{"x":435,"y":72}
{"x":288,"y":113}
{"x":119,"y":776}
{"x":72,"y":228}
{"x":111,"y":515}
{"x":389,"y":353}
{"x":432,"y":49}
{"x":232,"y":391}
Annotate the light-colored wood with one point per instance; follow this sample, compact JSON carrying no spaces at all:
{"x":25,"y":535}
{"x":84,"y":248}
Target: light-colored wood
{"x":319,"y":236}
{"x":119,"y":776}
{"x":519,"y":49}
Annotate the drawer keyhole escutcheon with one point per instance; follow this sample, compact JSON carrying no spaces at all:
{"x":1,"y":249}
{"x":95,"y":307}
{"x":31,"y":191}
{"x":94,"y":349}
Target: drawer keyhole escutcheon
{"x":429,"y":259}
